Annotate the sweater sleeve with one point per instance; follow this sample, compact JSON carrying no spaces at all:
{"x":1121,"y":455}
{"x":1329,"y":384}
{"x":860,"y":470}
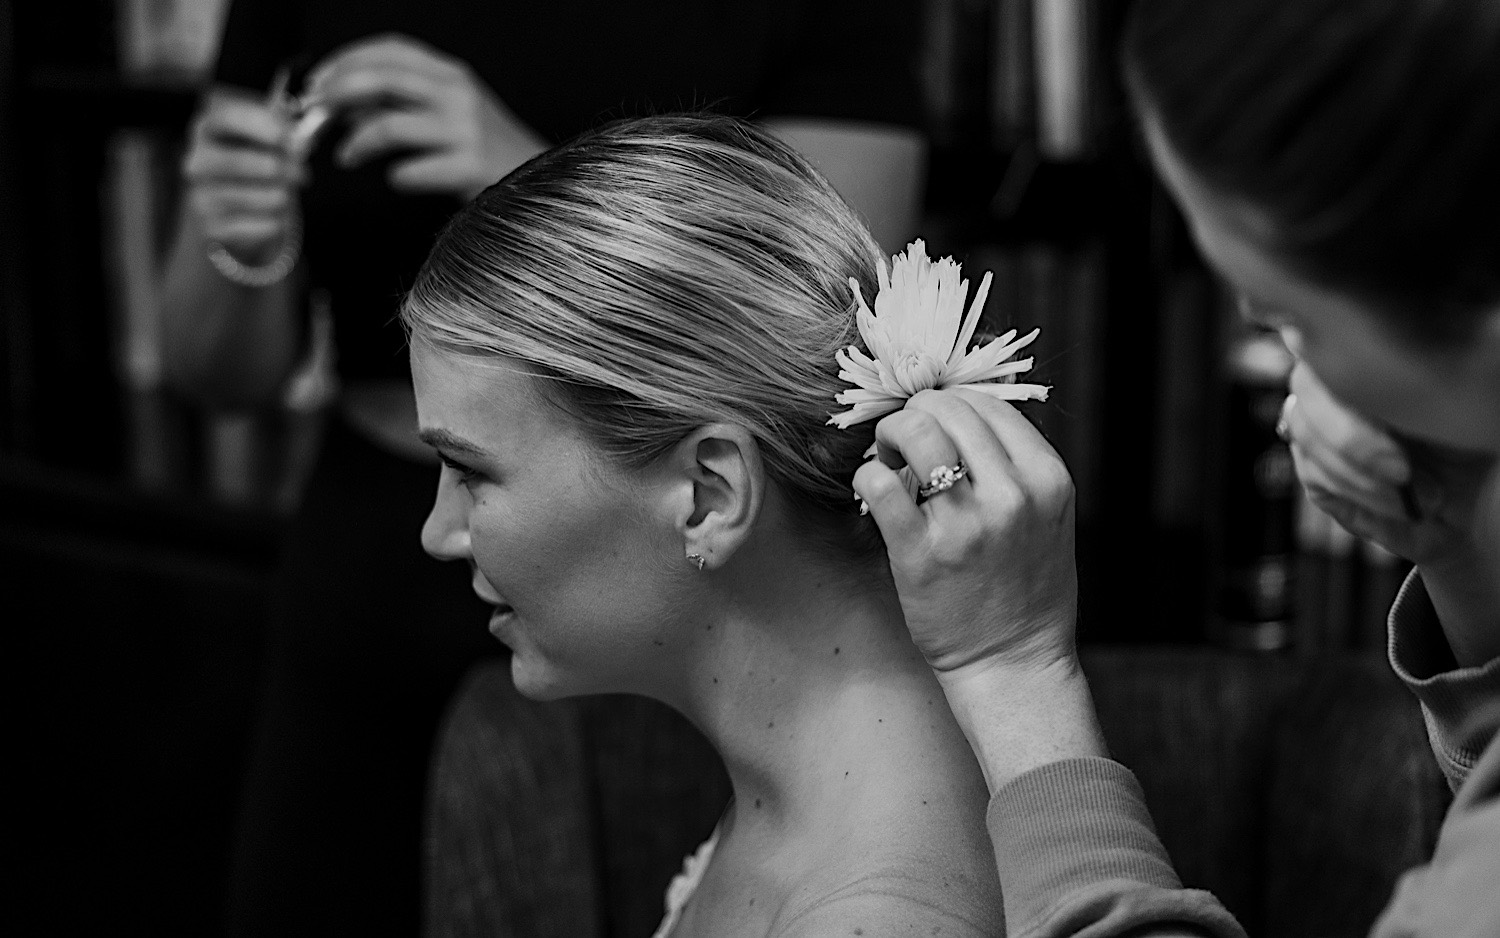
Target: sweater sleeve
{"x":1079,"y":856}
{"x":1454,"y":895}
{"x":1451,"y":697}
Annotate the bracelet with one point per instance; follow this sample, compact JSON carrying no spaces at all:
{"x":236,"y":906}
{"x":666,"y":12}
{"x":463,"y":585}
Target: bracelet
{"x":236,"y":271}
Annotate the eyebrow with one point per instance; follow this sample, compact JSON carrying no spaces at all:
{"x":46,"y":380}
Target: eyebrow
{"x":443,"y":439}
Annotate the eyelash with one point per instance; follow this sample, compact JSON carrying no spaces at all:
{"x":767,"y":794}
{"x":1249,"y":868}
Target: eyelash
{"x":465,"y":474}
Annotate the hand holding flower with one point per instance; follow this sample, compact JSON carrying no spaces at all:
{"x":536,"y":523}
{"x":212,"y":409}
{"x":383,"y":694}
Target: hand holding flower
{"x":1420,"y":501}
{"x":985,"y":572}
{"x":984,"y":567}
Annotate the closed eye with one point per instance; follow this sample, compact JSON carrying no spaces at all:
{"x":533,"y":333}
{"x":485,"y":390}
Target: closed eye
{"x":465,"y":473}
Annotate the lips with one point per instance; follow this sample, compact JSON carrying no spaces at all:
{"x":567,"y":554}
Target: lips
{"x":498,"y":621}
{"x":484,"y":591}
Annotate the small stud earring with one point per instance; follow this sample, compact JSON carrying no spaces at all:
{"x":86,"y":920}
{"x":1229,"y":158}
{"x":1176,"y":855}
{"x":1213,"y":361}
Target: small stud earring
{"x":697,"y":559}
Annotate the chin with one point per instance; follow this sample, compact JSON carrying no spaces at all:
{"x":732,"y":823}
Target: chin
{"x":538,"y":680}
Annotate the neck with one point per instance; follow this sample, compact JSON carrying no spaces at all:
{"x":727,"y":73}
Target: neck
{"x":808,"y":690}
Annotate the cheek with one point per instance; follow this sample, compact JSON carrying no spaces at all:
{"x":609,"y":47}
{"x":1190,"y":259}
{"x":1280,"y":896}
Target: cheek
{"x":583,"y":558}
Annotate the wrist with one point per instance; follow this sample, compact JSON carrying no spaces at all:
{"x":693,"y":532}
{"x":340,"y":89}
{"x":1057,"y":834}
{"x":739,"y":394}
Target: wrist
{"x":1019,"y":717}
{"x":259,"y":272}
{"x":1464,"y":599}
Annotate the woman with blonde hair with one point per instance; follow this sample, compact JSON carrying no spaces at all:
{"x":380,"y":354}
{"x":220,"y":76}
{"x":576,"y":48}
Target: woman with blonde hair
{"x":627,"y":353}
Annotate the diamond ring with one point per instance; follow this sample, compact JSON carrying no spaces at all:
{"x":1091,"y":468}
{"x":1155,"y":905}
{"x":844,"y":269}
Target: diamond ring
{"x":941,"y":479}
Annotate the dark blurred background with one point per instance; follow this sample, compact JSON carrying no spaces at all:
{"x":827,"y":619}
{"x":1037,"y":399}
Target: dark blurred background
{"x":137,"y":531}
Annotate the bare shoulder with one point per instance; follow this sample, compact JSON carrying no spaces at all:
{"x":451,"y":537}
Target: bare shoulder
{"x":899,"y":904}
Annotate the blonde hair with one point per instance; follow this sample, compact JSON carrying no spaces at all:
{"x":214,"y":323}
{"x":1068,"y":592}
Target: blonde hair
{"x":663,"y":273}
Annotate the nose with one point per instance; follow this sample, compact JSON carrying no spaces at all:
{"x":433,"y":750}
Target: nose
{"x":445,"y":534}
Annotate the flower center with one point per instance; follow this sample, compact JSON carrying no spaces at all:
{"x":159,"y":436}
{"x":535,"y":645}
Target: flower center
{"x":916,"y":371}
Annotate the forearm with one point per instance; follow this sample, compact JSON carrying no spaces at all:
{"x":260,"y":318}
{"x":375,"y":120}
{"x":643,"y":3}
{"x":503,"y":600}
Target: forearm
{"x":1074,"y":843}
{"x":225,"y":344}
{"x":1018,"y":719}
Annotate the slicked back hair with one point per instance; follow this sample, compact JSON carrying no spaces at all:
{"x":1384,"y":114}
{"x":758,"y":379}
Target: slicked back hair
{"x":663,"y":273}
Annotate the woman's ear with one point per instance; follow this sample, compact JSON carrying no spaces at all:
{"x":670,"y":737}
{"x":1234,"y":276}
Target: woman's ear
{"x":722,"y":487}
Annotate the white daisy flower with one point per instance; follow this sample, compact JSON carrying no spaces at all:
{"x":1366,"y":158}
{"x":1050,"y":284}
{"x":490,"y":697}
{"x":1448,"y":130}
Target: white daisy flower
{"x":919,"y":338}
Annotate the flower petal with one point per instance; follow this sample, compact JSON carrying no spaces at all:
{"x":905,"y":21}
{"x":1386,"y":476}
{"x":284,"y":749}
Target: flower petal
{"x":1011,"y":392}
{"x":865,"y":411}
{"x":988,"y":361}
{"x":856,"y":367}
{"x":916,"y":336}
{"x":971,"y":321}
{"x":864,"y":396}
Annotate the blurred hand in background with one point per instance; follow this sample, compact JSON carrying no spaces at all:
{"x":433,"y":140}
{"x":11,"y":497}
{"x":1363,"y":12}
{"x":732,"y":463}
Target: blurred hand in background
{"x":450,"y":131}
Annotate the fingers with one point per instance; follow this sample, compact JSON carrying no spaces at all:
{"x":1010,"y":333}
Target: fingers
{"x":1321,"y":465}
{"x":1337,"y":451}
{"x":916,"y":436}
{"x":353,"y":90}
{"x":269,"y":201}
{"x":448,"y":171}
{"x":1028,"y":450}
{"x":403,"y":95}
{"x":1011,"y":471}
{"x":237,"y":138}
{"x":902,"y":523}
{"x":910,"y":443}
{"x":230,"y":118}
{"x":208,"y":164}
{"x":991,"y":437}
{"x":381,"y":69}
{"x":1009,"y":460}
{"x":246,"y":236}
{"x":388,"y":51}
{"x":1359,"y":442}
{"x":385,"y":132}
{"x":240,"y":181}
{"x":1360,"y":521}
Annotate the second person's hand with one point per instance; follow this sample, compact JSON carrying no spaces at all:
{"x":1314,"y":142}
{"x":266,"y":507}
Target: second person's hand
{"x":1417,"y":500}
{"x":240,"y":181}
{"x":402,"y":96}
